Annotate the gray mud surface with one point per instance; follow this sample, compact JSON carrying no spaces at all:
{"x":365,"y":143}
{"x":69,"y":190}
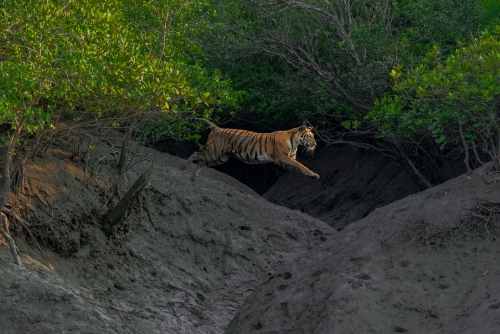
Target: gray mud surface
{"x":183,"y":261}
{"x":425,"y":264}
{"x":214,"y":257}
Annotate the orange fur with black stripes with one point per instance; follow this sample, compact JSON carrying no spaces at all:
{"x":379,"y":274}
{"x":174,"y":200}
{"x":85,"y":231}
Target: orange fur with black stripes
{"x":279,"y":147}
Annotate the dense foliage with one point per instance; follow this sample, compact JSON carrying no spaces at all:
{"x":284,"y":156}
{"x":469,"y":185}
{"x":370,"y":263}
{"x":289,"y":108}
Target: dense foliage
{"x":103,"y":59}
{"x":324,"y":61}
{"x":453,"y":100}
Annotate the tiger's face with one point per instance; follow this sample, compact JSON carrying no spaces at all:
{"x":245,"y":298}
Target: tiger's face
{"x":306,"y":138}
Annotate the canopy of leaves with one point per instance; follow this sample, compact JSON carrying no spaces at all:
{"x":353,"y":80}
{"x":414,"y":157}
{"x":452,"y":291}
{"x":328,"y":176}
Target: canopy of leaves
{"x":106,"y":58}
{"x":325,"y":61}
{"x":444,"y":93}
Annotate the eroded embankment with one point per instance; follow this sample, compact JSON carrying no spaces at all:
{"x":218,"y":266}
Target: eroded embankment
{"x":183,"y":261}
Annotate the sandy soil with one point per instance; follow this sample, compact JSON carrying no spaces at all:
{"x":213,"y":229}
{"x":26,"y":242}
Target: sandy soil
{"x":183,"y":261}
{"x":425,"y":264}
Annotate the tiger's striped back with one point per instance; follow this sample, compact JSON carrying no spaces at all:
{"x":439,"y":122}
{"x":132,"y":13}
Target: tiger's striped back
{"x":279,"y":147}
{"x":247,"y":146}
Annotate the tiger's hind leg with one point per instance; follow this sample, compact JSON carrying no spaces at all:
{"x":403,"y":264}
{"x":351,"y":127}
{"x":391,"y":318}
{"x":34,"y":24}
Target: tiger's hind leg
{"x":208,"y":163}
{"x":194,"y":157}
{"x":196,"y":172}
{"x":219,"y":161}
{"x":204,"y":159}
{"x":188,"y":161}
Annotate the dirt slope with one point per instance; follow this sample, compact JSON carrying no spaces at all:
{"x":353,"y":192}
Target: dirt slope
{"x":425,"y":264}
{"x":183,"y":262}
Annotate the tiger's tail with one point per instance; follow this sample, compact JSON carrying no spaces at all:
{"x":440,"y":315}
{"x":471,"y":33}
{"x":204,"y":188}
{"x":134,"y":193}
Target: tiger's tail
{"x":204,"y":121}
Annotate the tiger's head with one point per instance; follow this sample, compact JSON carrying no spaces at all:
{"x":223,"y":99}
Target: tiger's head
{"x":305,"y":137}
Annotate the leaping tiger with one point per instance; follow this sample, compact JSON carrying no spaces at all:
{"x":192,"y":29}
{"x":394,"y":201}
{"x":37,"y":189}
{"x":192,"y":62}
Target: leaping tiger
{"x":279,"y":147}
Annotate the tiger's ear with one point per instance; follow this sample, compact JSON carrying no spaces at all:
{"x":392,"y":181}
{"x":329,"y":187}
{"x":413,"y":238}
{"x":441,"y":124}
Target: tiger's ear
{"x":302,"y":128}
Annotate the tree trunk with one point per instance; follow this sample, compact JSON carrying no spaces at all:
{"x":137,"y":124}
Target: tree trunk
{"x":5,"y":182}
{"x":466,"y":147}
{"x":7,"y":161}
{"x":116,"y":215}
{"x":126,"y":142}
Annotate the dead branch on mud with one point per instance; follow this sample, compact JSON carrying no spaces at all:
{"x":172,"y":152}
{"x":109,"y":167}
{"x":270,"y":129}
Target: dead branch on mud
{"x":149,"y":211}
{"x":116,"y":215}
{"x":483,"y":221}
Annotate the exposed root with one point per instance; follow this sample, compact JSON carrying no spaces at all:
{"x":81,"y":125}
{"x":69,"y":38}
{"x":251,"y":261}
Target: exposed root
{"x":18,"y":180}
{"x":25,"y":226}
{"x":4,"y":231}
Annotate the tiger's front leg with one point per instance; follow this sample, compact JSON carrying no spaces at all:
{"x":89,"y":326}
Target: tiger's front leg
{"x":294,"y":164}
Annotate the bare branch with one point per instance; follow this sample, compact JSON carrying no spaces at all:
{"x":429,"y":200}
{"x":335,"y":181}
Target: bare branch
{"x":4,"y":231}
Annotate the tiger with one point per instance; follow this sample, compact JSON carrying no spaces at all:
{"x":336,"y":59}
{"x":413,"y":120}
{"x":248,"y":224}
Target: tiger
{"x":279,"y":147}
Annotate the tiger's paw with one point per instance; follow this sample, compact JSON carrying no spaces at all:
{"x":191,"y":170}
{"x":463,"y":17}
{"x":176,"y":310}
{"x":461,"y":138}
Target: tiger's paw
{"x":314,"y":175}
{"x":183,"y":166}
